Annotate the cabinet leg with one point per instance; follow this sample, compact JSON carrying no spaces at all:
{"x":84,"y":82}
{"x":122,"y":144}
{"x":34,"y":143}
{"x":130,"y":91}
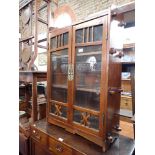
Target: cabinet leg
{"x":104,"y":148}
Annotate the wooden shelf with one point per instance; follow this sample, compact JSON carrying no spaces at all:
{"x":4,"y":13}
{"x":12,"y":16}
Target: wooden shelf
{"x":89,"y":53}
{"x":126,"y":79}
{"x":132,"y":45}
{"x":92,"y":72}
{"x":126,"y":113}
{"x":88,"y":90}
{"x":22,"y":101}
{"x":126,"y":96}
{"x":128,"y":63}
{"x":78,"y":88}
{"x":60,"y":86}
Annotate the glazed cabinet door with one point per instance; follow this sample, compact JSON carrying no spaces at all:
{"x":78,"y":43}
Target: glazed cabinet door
{"x":78,"y":76}
{"x":89,"y":49}
{"x":60,"y":60}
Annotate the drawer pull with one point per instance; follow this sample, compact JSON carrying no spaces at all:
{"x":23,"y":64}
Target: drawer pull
{"x":36,"y":135}
{"x":59,"y":148}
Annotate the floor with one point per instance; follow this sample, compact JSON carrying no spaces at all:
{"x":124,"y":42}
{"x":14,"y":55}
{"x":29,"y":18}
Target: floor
{"x":127,"y":129}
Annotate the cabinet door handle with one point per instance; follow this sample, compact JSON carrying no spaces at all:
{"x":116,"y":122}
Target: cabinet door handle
{"x":70,"y":72}
{"x":59,"y":148}
{"x":112,"y":92}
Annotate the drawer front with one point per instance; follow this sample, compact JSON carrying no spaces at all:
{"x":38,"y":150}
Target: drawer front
{"x":58,"y":148}
{"x":126,"y":103}
{"x":39,"y":136}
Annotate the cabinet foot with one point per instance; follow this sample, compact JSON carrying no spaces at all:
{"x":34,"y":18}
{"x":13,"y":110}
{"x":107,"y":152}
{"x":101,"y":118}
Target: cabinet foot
{"x":118,"y":128}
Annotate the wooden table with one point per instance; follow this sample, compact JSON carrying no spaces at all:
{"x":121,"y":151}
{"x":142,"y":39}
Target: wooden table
{"x":121,"y":146}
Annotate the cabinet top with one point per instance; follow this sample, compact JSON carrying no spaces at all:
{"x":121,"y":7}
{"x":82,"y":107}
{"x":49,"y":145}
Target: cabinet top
{"x":32,"y":72}
{"x":28,"y":76}
{"x":121,"y":146}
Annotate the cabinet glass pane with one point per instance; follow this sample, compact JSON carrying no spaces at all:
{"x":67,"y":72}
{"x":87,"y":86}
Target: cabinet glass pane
{"x":88,"y":74}
{"x":86,"y":119}
{"x":59,"y":61}
{"x":59,"y":110}
{"x":29,"y":95}
{"x":97,"y":32}
{"x":65,"y":38}
{"x":87,"y":99}
{"x":59,"y":94}
{"x":22,"y":92}
{"x":85,"y":34}
{"x":41,"y":99}
{"x":58,"y":41}
{"x":79,"y":36}
{"x":53,"y":43}
{"x":90,"y":34}
{"x":25,"y":97}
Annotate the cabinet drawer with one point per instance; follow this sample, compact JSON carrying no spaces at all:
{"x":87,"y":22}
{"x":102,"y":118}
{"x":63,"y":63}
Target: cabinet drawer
{"x":58,"y":148}
{"x":39,"y":136}
{"x":126,"y":103}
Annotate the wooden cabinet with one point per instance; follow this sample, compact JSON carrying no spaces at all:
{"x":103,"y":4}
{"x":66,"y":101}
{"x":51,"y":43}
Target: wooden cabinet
{"x":61,"y":142}
{"x":43,"y":144}
{"x":33,"y":94}
{"x":32,"y":104}
{"x":84,"y":81}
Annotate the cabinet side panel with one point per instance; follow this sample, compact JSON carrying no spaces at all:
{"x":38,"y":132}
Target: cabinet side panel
{"x":114,"y":82}
{"x":23,"y":144}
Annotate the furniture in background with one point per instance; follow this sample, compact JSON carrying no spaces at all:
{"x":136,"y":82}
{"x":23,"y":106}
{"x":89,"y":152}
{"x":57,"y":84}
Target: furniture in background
{"x":127,"y":21}
{"x":33,"y":21}
{"x":32,"y":104}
